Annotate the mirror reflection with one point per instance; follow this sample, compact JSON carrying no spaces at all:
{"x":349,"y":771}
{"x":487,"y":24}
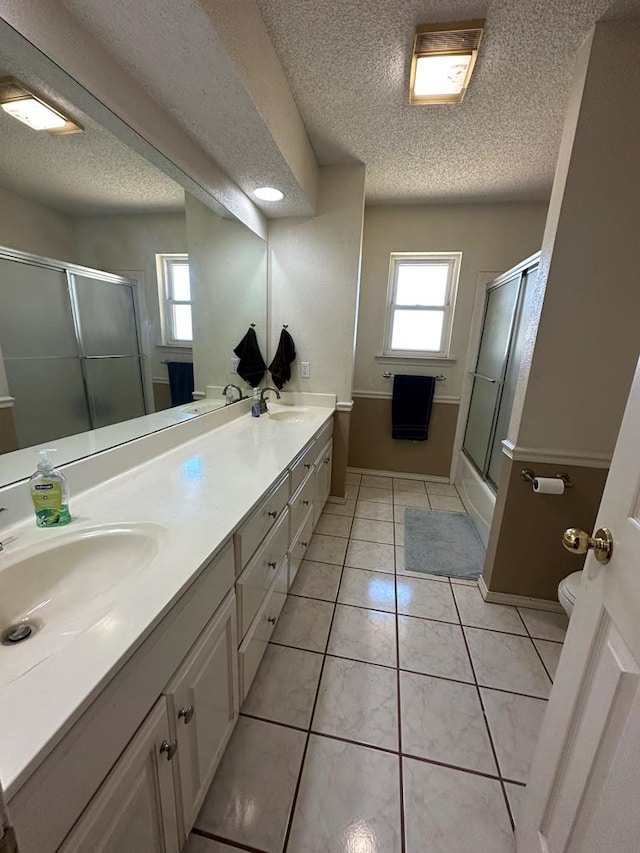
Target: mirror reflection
{"x":121,"y":296}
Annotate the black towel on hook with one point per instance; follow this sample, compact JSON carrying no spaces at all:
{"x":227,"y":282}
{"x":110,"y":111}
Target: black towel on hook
{"x":251,"y":367}
{"x":180,"y":382}
{"x":411,"y":406}
{"x":280,"y":367}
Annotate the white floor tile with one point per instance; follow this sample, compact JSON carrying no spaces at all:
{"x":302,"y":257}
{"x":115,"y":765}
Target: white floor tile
{"x":369,"y":493}
{"x":415,"y":499}
{"x":334,"y":525}
{"x":433,"y":648}
{"x":401,"y":485}
{"x":446,"y":503}
{"x":327,"y":549}
{"x":317,"y":580}
{"x":369,"y":530}
{"x":304,"y":623}
{"x":378,"y":511}
{"x":362,"y":588}
{"x":544,"y":625}
{"x":353,"y":479}
{"x":199,"y":844}
{"x":457,"y":812}
{"x":426,"y":599}
{"x":349,"y":799}
{"x":399,"y":533}
{"x":358,"y":701}
{"x":442,"y":720}
{"x":447,"y":489}
{"x":370,"y":555}
{"x":351,"y":490}
{"x":376,"y":482}
{"x":365,"y":635}
{"x":248,"y":807}
{"x":550,"y":653}
{"x":285,"y":686}
{"x":515,"y":795}
{"x":347,"y":508}
{"x":477,"y":613}
{"x":515,"y":723}
{"x":507,"y":662}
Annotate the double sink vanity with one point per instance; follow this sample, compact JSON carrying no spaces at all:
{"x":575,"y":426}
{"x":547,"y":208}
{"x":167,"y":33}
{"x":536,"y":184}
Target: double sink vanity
{"x":149,"y":616}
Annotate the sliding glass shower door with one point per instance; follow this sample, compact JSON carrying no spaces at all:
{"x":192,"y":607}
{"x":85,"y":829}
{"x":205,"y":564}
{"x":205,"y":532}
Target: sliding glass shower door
{"x":494,"y":380}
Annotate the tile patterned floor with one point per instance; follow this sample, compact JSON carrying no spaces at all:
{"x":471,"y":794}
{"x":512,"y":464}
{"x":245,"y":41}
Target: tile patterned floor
{"x":392,"y":711}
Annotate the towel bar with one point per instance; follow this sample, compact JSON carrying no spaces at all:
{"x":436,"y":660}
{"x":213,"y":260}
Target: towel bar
{"x":439,"y":377}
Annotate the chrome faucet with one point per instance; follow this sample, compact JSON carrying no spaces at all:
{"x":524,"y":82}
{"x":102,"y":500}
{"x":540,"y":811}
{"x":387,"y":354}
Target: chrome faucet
{"x":2,"y":509}
{"x":263,"y":402}
{"x":240,"y":394}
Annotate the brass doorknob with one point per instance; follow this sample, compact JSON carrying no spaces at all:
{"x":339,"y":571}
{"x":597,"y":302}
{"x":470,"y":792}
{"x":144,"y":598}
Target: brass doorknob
{"x":579,"y":542}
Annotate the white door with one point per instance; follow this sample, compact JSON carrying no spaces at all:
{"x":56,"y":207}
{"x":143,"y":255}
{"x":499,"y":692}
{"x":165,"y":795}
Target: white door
{"x":584,"y":787}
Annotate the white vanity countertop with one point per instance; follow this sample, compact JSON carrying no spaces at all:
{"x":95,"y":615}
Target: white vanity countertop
{"x":200,"y":492}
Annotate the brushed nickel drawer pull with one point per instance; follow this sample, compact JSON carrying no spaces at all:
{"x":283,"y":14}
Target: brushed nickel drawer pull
{"x":306,"y":503}
{"x":169,"y":748}
{"x":272,"y":565}
{"x":307,"y":464}
{"x":186,"y":714}
{"x":272,"y":620}
{"x":273,"y":513}
{"x":304,"y":544}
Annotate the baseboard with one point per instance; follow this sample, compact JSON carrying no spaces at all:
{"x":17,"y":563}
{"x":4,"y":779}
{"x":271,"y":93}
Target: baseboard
{"x":332,"y":499}
{"x":399,"y":475}
{"x":518,"y":600}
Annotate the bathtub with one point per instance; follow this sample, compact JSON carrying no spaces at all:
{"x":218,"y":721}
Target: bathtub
{"x":477,"y":496}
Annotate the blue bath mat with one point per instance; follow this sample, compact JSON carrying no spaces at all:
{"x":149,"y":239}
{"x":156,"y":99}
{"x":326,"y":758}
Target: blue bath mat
{"x":442,"y":543}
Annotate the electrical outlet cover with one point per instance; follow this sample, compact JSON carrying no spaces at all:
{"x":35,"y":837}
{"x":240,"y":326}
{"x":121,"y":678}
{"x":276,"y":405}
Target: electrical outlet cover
{"x":233,"y":367}
{"x":305,"y":369}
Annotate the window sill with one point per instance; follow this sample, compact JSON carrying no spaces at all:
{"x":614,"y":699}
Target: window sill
{"x":416,"y":359}
{"x":175,"y":347}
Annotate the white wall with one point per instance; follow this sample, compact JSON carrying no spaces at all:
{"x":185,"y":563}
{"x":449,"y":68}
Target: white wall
{"x":31,"y":227}
{"x":314,"y":281}
{"x":228,"y":265}
{"x":128,"y":244}
{"x":491,"y":237}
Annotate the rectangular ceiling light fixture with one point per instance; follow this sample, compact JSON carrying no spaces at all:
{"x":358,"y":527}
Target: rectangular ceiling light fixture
{"x":22,"y":103}
{"x":443,"y":60}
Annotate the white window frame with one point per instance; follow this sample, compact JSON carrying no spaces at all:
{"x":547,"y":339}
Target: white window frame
{"x":163,"y":267}
{"x":397,"y":259}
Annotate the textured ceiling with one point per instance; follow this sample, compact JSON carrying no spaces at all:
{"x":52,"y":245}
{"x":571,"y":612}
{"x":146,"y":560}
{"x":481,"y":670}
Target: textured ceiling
{"x":87,"y":173}
{"x":347,"y":62}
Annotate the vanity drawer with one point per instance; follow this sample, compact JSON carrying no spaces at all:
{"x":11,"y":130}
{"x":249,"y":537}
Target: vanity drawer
{"x":254,"y":644}
{"x":260,"y":522}
{"x":301,"y":466}
{"x":254,"y":582}
{"x":299,"y":546}
{"x":301,"y":503}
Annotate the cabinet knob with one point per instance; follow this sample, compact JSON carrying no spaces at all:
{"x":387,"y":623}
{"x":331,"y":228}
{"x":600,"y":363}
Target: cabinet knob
{"x":305,"y":503}
{"x":273,"y":513}
{"x":304,"y":544}
{"x":326,"y":461}
{"x":169,"y":748}
{"x":307,"y":465}
{"x":272,"y":620}
{"x":272,"y":565}
{"x":186,"y":714}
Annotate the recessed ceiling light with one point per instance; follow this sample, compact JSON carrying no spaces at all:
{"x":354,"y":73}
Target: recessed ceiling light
{"x":19,"y":101}
{"x":443,"y":60}
{"x":268,"y":194}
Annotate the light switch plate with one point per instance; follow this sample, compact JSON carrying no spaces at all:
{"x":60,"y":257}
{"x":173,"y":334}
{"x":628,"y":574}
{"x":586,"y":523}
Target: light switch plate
{"x":233,"y":365}
{"x":305,"y":369}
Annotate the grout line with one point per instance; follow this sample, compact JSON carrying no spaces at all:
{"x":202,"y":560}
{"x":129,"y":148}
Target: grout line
{"x":486,"y":722}
{"x":274,"y":722}
{"x":236,"y":845}
{"x":403,"y":840}
{"x":544,"y":666}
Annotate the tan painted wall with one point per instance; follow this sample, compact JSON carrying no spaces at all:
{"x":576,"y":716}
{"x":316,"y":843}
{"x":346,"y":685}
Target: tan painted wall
{"x":229,"y":277}
{"x":525,"y":554}
{"x":8,"y":437}
{"x":28,"y":226}
{"x":371,"y":445}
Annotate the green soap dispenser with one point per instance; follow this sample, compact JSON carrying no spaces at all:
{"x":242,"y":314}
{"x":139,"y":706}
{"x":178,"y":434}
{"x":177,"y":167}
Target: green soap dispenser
{"x":49,"y":493}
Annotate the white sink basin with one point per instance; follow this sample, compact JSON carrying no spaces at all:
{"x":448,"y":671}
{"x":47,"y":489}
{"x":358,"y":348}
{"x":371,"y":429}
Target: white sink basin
{"x":65,"y":585}
{"x":292,"y":415}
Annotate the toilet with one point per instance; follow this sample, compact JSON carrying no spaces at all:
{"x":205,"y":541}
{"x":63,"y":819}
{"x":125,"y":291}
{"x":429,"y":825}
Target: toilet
{"x":568,"y":590}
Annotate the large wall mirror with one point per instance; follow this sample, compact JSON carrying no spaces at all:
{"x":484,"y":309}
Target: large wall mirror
{"x":110,"y":273}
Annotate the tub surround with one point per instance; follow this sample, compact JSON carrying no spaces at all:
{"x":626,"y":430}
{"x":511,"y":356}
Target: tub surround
{"x":200,"y":492}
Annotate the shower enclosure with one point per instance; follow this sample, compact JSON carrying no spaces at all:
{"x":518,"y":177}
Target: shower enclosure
{"x":493,"y":382}
{"x":70,"y":347}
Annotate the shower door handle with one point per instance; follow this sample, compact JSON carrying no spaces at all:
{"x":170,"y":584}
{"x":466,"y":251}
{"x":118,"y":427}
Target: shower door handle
{"x":486,"y":378}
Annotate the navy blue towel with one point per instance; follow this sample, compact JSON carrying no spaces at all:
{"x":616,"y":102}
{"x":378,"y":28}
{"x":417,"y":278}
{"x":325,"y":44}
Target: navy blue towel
{"x":180,"y":382}
{"x":411,"y":406}
{"x":251,"y":367}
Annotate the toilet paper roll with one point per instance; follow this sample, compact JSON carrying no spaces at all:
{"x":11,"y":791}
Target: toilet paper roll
{"x":548,"y":486}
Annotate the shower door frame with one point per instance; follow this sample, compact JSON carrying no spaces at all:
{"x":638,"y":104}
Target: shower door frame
{"x":69,"y":270}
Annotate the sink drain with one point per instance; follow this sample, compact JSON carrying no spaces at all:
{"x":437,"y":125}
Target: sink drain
{"x":17,"y":633}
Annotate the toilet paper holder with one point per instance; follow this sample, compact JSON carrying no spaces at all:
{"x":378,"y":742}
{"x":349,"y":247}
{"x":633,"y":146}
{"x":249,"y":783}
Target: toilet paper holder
{"x":528,"y":476}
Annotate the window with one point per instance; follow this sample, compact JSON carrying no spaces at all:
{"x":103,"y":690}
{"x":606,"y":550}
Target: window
{"x":174,"y":290}
{"x":420,"y":303}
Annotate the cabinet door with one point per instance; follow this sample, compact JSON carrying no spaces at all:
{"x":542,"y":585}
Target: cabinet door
{"x":134,"y":809}
{"x":203,"y":704}
{"x":322,"y":480}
